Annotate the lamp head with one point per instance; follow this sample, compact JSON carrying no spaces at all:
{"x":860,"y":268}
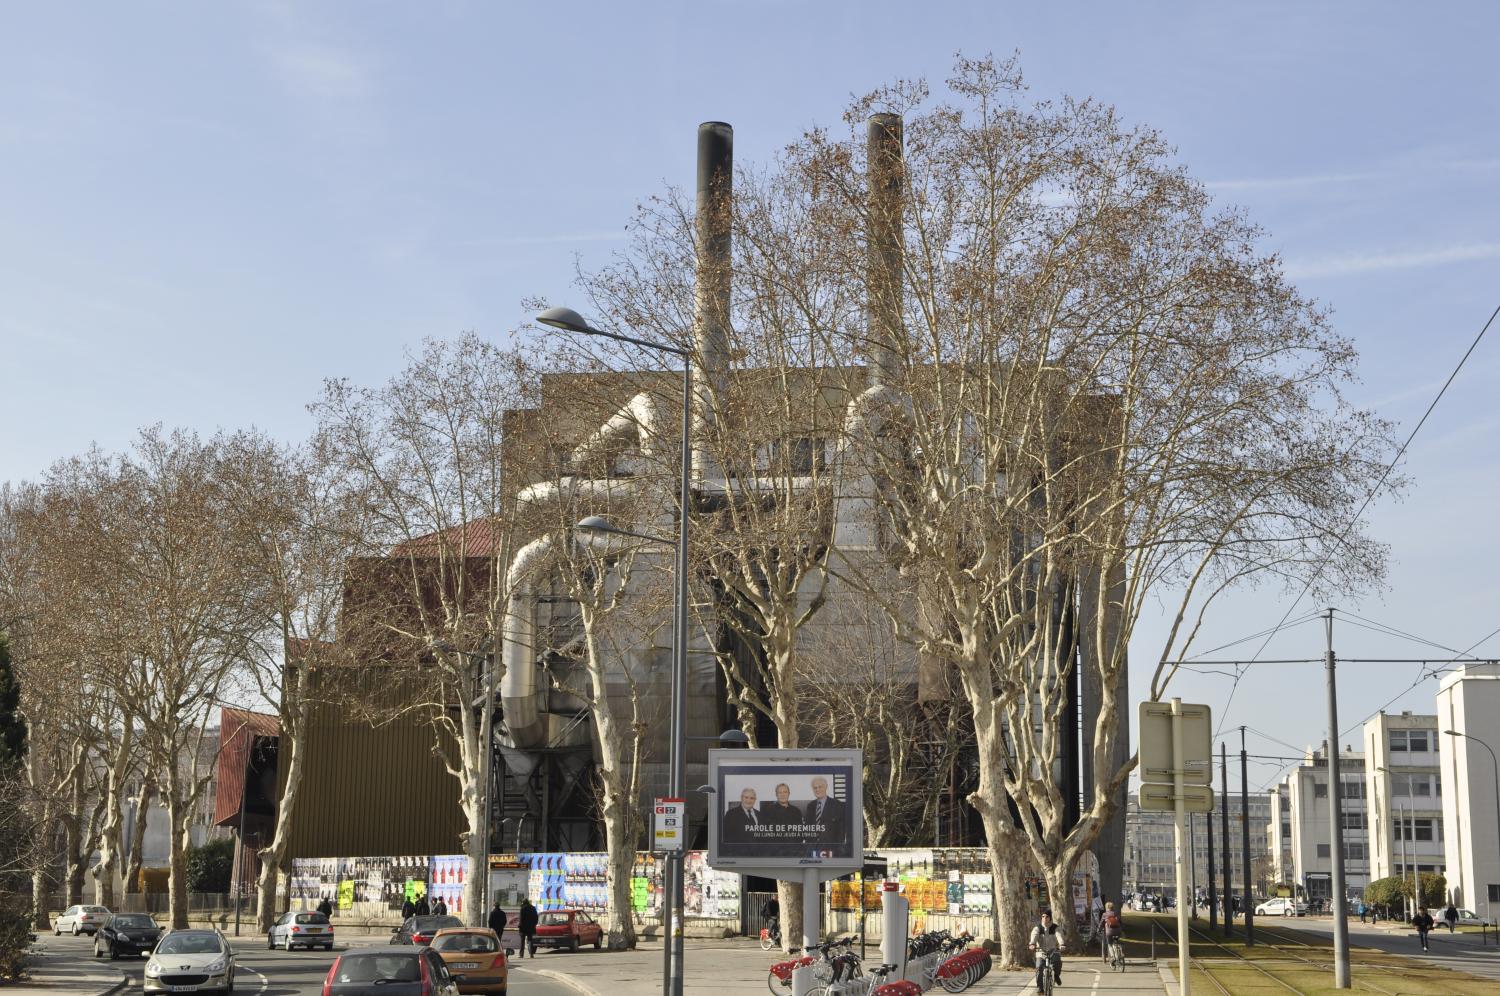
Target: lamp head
{"x":564,"y":318}
{"x":1453,"y":733}
{"x":707,"y":790}
{"x":595,"y":524}
{"x":734,"y":738}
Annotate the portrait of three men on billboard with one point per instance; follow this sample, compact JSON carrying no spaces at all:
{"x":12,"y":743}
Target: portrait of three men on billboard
{"x":818,"y":819}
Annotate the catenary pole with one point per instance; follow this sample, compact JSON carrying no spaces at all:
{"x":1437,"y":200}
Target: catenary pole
{"x":1213,"y":888}
{"x":1179,"y":832}
{"x":1224,"y":829}
{"x":1245,"y":840}
{"x":1335,"y":822}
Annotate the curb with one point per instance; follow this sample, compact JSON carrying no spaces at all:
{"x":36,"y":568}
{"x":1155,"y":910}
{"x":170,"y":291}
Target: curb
{"x":562,"y":977}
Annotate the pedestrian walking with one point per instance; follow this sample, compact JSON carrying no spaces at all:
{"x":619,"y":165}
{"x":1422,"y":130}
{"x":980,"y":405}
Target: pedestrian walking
{"x":325,"y":907}
{"x":440,"y":908}
{"x":1423,"y":922}
{"x":527,"y":923}
{"x":408,"y":909}
{"x":1450,"y":916}
{"x":423,"y":908}
{"x":1361,"y":911}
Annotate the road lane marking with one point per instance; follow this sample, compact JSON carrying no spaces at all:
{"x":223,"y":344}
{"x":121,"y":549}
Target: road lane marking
{"x":264,"y":982}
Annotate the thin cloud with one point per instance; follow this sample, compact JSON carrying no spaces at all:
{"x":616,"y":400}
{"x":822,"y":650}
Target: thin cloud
{"x":1354,"y":264}
{"x":321,"y":71}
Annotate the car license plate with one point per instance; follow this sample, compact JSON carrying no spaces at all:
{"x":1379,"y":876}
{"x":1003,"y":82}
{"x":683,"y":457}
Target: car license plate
{"x":466,"y":964}
{"x":184,"y":989}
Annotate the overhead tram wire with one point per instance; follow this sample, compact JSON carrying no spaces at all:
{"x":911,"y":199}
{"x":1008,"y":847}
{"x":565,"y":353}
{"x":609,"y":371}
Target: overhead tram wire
{"x":1323,"y":563}
{"x":1425,"y":675}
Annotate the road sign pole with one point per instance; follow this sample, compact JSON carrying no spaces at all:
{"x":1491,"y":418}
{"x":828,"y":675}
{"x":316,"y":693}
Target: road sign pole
{"x":1179,"y":831}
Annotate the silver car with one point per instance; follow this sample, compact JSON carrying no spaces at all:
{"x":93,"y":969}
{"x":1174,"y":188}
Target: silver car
{"x":300,"y":930}
{"x":80,"y":920}
{"x":187,"y":961}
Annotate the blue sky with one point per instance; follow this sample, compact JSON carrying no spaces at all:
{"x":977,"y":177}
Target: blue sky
{"x":205,"y":209}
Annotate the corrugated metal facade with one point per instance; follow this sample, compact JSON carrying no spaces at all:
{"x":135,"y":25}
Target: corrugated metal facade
{"x":238,"y":731}
{"x":370,"y":790}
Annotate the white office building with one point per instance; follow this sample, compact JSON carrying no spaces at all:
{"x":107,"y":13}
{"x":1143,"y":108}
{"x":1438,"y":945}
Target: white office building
{"x":1305,"y":800}
{"x":1405,"y":795}
{"x":1468,"y":702}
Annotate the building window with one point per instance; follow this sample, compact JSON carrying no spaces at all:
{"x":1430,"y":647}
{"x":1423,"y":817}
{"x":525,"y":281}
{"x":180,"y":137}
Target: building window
{"x":1494,"y":893}
{"x":1320,"y":791}
{"x":1351,"y":788}
{"x":1323,"y":851}
{"x":1352,"y":821}
{"x":1408,"y":740}
{"x":1355,"y":851}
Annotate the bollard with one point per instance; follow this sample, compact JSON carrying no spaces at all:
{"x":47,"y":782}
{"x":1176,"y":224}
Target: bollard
{"x":893,"y":921}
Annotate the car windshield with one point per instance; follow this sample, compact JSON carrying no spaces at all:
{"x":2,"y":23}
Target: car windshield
{"x":133,"y":920}
{"x":190,"y":943}
{"x":427,"y":924}
{"x":554,"y":919}
{"x":95,"y":909}
{"x":378,"y":966}
{"x":311,"y":918}
{"x":467,"y":943}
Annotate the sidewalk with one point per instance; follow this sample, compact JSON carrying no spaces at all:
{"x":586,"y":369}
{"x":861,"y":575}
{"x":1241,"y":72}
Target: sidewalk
{"x":739,"y":968}
{"x":50,"y":974}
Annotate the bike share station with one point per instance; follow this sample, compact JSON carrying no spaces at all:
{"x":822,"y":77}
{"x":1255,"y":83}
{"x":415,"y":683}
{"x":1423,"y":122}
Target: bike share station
{"x":798,"y":816}
{"x":1176,"y":765}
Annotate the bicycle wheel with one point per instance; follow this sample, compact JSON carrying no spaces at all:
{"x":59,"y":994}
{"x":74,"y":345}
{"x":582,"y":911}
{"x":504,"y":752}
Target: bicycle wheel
{"x":765,"y":940}
{"x":954,"y":983}
{"x":777,"y":987}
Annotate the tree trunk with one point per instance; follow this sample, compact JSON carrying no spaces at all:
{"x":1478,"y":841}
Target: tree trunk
{"x":789,"y":896}
{"x":177,"y":822}
{"x":620,"y":919}
{"x":289,"y":747}
{"x":1012,"y":918}
{"x":1060,"y":895}
{"x":137,"y":837}
{"x":74,"y":858}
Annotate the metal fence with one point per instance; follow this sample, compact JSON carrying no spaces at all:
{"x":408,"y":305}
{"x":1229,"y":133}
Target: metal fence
{"x":159,"y":902}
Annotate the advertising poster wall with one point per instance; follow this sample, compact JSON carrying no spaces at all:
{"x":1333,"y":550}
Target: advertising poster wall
{"x":786,"y":809}
{"x":709,"y":892}
{"x":446,"y":876}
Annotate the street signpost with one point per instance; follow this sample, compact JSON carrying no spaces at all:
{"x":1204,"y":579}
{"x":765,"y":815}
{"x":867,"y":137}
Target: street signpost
{"x":671,"y":817}
{"x":1176,"y":765}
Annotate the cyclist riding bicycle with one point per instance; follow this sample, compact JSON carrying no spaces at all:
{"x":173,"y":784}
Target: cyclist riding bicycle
{"x":1044,"y":941}
{"x":1110,"y":928}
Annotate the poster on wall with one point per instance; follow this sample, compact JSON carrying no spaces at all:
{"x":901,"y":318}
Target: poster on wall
{"x":707,"y":891}
{"x":446,"y":876}
{"x":569,"y":881}
{"x":786,"y":809}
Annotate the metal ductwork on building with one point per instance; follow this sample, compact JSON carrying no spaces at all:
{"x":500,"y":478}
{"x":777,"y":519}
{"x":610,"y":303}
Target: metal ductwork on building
{"x":886,"y":249}
{"x":713,"y":225}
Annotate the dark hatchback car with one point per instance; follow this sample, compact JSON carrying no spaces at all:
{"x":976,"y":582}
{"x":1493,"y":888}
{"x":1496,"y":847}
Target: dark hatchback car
{"x":412,"y":971}
{"x":419,"y":929}
{"x":133,"y":934}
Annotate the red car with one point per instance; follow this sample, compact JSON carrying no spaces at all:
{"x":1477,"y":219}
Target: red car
{"x":570,"y":929}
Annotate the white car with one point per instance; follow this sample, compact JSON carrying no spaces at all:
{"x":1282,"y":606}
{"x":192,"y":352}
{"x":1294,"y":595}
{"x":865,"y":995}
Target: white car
{"x":80,"y":920}
{"x":1281,"y":906}
{"x":308,"y":930}
{"x":188,"y":961}
{"x":1468,"y":918}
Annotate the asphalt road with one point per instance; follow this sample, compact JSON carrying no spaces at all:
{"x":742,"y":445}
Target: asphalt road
{"x":279,"y":973}
{"x":1463,"y":952}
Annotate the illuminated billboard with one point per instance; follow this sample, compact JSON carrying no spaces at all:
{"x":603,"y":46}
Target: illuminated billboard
{"x":786,"y":809}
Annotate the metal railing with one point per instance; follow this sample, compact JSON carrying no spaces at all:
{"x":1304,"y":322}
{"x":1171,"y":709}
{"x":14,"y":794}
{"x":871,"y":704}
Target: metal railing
{"x":1170,"y":940}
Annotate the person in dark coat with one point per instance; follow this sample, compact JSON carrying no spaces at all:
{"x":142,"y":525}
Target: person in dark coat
{"x":440,"y":908}
{"x":781,"y":811}
{"x":527,"y":924}
{"x":826,"y":817}
{"x":1423,"y":922}
{"x":325,"y":907}
{"x":497,"y":921}
{"x":740,"y":820}
{"x":408,"y":910}
{"x":1450,"y":916}
{"x":423,"y":909}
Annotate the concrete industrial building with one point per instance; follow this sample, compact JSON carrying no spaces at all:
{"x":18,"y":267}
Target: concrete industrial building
{"x":1304,"y":808}
{"x":1468,"y":702}
{"x":1151,"y":856}
{"x":546,"y":749}
{"x":1404,"y":795}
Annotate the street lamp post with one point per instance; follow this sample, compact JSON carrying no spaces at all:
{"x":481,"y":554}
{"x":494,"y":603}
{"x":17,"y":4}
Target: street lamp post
{"x":570,"y":321}
{"x":1493,"y":761}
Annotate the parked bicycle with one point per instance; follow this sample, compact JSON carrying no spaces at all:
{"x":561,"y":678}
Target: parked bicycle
{"x":770,"y":934}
